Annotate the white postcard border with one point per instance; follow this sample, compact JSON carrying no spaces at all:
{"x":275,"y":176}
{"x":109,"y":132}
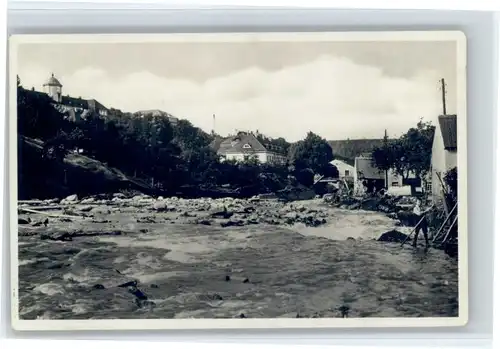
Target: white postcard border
{"x":149,"y":324}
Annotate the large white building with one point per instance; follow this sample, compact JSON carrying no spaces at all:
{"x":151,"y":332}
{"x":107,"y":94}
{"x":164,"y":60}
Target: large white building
{"x":444,"y":152}
{"x":245,"y":146}
{"x":75,"y":108}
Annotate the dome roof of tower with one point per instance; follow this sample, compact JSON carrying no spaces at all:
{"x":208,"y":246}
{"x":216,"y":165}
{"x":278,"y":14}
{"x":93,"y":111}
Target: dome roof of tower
{"x":52,"y":81}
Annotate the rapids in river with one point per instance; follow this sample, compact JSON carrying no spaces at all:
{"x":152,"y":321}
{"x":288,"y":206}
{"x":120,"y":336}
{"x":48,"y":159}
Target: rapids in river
{"x":208,"y":271}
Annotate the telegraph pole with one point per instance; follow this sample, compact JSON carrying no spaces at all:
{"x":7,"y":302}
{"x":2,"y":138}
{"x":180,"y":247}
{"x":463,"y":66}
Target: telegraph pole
{"x":443,"y":95}
{"x":213,"y":124}
{"x":386,"y":172}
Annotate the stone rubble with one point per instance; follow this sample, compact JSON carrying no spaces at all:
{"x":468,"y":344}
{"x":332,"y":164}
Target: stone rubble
{"x":225,"y":212}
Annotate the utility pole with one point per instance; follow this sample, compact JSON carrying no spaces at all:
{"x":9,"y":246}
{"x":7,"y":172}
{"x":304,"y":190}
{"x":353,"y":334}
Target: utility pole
{"x":213,"y":124}
{"x":443,"y":94}
{"x":386,"y":171}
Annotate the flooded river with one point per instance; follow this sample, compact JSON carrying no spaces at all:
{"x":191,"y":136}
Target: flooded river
{"x":207,"y":271}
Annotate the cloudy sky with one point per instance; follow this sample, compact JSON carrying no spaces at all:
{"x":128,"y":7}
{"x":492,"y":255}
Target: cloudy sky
{"x":338,"y":90}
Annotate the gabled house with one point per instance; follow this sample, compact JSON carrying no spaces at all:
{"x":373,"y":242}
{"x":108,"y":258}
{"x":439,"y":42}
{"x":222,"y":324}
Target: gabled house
{"x":364,"y":171}
{"x":245,"y":146}
{"x":444,"y":153}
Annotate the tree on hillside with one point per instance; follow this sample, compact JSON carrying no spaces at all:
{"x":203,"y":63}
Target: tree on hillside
{"x":279,"y":145}
{"x":190,"y":137}
{"x":36,"y":117}
{"x":313,"y":152}
{"x":56,"y":148}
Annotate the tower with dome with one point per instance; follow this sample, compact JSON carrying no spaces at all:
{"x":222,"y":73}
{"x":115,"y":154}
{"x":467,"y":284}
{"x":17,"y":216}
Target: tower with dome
{"x":75,"y":108}
{"x":53,"y":88}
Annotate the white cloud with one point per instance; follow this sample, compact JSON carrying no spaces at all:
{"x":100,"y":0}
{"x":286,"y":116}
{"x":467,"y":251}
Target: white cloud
{"x":331,"y":96}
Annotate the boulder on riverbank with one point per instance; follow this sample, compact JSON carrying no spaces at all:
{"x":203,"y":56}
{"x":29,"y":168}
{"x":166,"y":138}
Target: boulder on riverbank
{"x":393,"y":236}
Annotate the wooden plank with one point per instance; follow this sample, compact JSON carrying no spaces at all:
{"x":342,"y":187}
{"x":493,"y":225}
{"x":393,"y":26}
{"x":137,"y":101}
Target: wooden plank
{"x":449,"y":230}
{"x":347,"y":187}
{"x":317,"y":180}
{"x":49,"y":214}
{"x":47,"y":208}
{"x":445,"y":193}
{"x":31,"y":202}
{"x":444,"y":223}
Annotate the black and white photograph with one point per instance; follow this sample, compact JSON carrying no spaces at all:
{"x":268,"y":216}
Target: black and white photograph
{"x":238,"y":180}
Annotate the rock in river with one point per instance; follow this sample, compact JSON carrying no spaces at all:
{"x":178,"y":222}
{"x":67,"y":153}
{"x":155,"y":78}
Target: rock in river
{"x":70,"y":199}
{"x":160,"y":206}
{"x":21,"y":220}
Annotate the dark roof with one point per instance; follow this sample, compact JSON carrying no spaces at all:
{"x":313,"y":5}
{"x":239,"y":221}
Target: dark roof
{"x":448,"y":126}
{"x":75,"y":102}
{"x":366,"y":170}
{"x":215,"y":144}
{"x":93,"y":104}
{"x":350,"y":148}
{"x":37,"y":93}
{"x":241,"y":143}
{"x":335,"y":162}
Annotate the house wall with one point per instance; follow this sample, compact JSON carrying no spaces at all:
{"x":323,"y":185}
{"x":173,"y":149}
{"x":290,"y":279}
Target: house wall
{"x":235,"y":156}
{"x":343,"y":167}
{"x":263,"y":157}
{"x":394,"y":179}
{"x":438,"y":165}
{"x":451,"y":159}
{"x":55,"y":92}
{"x":275,"y":158}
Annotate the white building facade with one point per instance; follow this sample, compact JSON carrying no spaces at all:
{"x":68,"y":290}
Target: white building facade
{"x":346,"y":171}
{"x":245,"y":146}
{"x":444,"y":153}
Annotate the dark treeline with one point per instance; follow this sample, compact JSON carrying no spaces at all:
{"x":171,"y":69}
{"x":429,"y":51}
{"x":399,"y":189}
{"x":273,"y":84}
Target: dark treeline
{"x":168,"y":158}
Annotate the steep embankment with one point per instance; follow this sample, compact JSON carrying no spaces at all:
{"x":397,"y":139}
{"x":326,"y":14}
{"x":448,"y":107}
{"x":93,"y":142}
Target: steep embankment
{"x":77,"y":173}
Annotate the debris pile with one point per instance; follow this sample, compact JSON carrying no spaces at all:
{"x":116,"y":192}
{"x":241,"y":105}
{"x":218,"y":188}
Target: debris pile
{"x":225,"y":212}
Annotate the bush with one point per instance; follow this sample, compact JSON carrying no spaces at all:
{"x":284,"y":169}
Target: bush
{"x":451,"y":182}
{"x":305,"y":177}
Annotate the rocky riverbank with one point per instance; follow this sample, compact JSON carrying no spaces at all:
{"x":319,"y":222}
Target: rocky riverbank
{"x":224,"y":212}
